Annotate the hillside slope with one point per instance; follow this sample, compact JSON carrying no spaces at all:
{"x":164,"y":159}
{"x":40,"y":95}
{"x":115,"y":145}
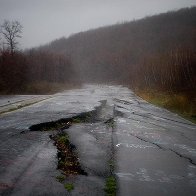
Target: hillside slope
{"x":154,"y":52}
{"x":155,"y":56}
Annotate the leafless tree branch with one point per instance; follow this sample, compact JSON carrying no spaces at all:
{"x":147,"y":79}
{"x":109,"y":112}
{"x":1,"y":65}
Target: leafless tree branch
{"x":11,"y":31}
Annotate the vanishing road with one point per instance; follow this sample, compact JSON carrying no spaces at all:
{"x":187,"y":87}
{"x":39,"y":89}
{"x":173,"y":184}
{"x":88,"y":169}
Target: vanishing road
{"x":149,"y":150}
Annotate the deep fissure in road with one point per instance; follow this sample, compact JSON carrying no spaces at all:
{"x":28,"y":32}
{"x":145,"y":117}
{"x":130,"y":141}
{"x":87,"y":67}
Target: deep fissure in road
{"x":111,"y":184}
{"x":67,"y":153}
{"x":68,"y":161}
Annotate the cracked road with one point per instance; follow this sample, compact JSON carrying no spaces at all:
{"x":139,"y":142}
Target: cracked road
{"x":154,"y":150}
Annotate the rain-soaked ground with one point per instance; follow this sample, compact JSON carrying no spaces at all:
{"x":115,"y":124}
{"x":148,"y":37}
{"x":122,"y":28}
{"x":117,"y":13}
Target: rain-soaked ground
{"x":148,"y":150}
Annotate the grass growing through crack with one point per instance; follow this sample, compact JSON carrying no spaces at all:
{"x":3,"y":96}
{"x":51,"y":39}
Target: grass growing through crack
{"x":68,"y":161}
{"x":77,"y":120}
{"x":82,"y":118}
{"x":112,"y":165}
{"x":60,"y":178}
{"x":63,"y":123}
{"x":110,"y":186}
{"x":63,"y":139}
{"x":69,"y":187}
{"x":110,"y":123}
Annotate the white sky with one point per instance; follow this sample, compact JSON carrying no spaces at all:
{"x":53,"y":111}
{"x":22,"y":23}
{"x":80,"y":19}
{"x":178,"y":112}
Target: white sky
{"x":46,"y":20}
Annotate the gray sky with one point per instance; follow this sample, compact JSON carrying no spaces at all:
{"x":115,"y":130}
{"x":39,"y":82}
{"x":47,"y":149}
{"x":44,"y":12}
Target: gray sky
{"x":46,"y":20}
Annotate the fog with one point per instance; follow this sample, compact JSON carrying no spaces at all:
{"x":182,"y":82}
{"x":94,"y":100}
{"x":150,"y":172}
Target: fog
{"x":46,"y":20}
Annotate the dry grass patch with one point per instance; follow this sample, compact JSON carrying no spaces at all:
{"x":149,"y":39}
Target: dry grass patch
{"x":180,"y":103}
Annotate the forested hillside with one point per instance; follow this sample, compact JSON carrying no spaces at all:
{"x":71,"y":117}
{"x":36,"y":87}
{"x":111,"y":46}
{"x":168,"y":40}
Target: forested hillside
{"x":154,"y":52}
{"x":34,"y":72}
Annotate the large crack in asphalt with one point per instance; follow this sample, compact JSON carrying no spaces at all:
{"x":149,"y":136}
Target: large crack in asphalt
{"x":150,"y":142}
{"x":65,"y":123}
{"x":66,"y":151}
{"x":163,"y":148}
{"x":150,"y":123}
{"x":152,"y":115}
{"x":119,"y":113}
{"x":111,"y":126}
{"x":159,"y":146}
{"x":111,"y":181}
{"x":182,"y":156}
{"x":68,"y":161}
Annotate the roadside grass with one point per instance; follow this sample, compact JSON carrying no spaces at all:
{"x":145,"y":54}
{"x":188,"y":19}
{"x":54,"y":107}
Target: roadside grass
{"x":44,"y":87}
{"x":179,"y":103}
{"x":41,"y":87}
{"x":110,"y":186}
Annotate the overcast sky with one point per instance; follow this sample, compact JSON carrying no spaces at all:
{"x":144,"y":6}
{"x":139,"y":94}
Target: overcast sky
{"x":46,"y":20}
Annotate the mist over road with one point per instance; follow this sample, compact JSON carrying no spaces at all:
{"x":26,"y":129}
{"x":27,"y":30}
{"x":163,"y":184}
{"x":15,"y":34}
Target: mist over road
{"x":153,"y":151}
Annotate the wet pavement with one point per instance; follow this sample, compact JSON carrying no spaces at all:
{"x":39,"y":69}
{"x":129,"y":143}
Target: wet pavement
{"x":153,"y":150}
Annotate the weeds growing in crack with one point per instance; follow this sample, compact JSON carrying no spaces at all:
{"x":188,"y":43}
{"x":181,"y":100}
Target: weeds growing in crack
{"x":110,"y":186}
{"x":110,"y":123}
{"x":63,"y":139}
{"x":60,"y":178}
{"x":111,"y":165}
{"x":69,"y":187}
{"x":65,"y":123}
{"x":68,"y":161}
{"x":84,"y":118}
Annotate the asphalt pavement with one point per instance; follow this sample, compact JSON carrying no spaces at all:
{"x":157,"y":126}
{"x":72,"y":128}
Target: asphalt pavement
{"x":152,"y":151}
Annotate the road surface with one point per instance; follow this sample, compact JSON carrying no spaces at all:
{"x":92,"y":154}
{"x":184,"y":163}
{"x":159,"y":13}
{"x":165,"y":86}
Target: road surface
{"x":152,"y":151}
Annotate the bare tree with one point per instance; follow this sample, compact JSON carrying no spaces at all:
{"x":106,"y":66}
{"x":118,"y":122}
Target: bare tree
{"x":0,"y":45}
{"x":11,"y":31}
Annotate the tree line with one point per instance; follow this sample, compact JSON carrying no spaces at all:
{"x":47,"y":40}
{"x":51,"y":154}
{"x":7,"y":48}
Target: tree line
{"x":156,"y":52}
{"x":31,"y":71}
